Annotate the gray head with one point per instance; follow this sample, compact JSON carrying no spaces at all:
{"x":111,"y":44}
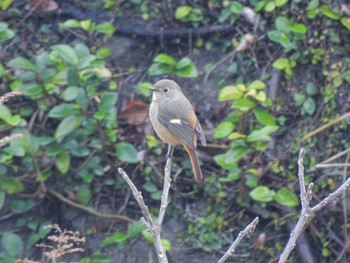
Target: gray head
{"x":166,"y":89}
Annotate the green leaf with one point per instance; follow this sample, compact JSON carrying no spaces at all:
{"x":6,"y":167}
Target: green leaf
{"x":144,"y":89}
{"x":62,"y":111}
{"x":126,"y":152}
{"x":299,"y":28}
{"x":70,"y":23}
{"x":257,"y":84}
{"x":243,"y":104}
{"x":19,"y":147}
{"x":236,"y":8}
{"x":21,"y":206}
{"x":67,"y":125}
{"x":84,"y":195}
{"x":10,"y":185}
{"x":313,"y":4}
{"x":6,"y":115}
{"x":223,"y":130}
{"x":12,"y":244}
{"x":2,"y":198}
{"x":150,"y":187}
{"x":280,"y":3}
{"x":165,"y":59}
{"x":311,"y":89}
{"x":135,"y":228}
{"x":270,"y":6}
{"x":21,"y":62}
{"x":70,"y":94}
{"x":182,"y":11}
{"x":346,"y":22}
{"x":106,"y":28}
{"x":309,"y":106}
{"x":286,"y":198}
{"x":147,"y":236}
{"x":85,"y":24}
{"x":187,"y":72}
{"x":262,"y":134}
{"x":331,"y":13}
{"x":283,"y":24}
{"x":115,"y":238}
{"x":262,"y":194}
{"x":108,"y":101}
{"x":264,"y":117}
{"x":4,"y":4}
{"x":231,"y":92}
{"x":281,"y":63}
{"x":159,"y":69}
{"x":182,"y":63}
{"x":166,"y":244}
{"x":63,"y":162}
{"x":67,"y":53}
{"x":274,"y":35}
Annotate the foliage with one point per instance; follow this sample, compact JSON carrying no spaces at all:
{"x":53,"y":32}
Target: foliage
{"x":165,"y":64}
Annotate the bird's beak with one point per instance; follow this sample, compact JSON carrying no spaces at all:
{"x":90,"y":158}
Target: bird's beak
{"x":153,"y":89}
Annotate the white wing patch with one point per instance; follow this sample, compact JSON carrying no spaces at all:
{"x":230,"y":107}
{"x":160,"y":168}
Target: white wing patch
{"x":176,"y":121}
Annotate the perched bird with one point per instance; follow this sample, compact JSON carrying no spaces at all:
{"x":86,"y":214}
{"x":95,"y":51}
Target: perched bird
{"x":175,"y":122}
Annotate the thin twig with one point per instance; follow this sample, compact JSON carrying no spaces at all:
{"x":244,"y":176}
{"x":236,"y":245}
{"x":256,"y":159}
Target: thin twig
{"x":88,"y":209}
{"x":147,"y":220}
{"x":166,"y":187}
{"x":330,"y":165}
{"x":306,"y":211}
{"x":249,"y":229}
{"x":336,"y":156}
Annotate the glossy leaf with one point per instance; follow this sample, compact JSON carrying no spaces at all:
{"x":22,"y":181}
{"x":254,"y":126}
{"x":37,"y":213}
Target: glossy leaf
{"x":299,"y":28}
{"x":223,"y":130}
{"x":231,"y":92}
{"x":187,"y":72}
{"x":63,"y":162}
{"x":257,"y":85}
{"x":280,"y":3}
{"x":135,"y":228}
{"x":67,"y":53}
{"x":12,"y":244}
{"x":243,"y":104}
{"x":286,"y":198}
{"x":264,"y":117}
{"x":67,"y":125}
{"x":262,"y":194}
{"x":10,"y":185}
{"x":70,"y":23}
{"x":115,"y":238}
{"x":183,"y":11}
{"x":164,"y":58}
{"x":331,"y":13}
{"x":281,"y":63}
{"x":262,"y":134}
{"x":126,"y":152}
{"x":21,"y":62}
{"x":62,"y":111}
{"x":106,"y":28}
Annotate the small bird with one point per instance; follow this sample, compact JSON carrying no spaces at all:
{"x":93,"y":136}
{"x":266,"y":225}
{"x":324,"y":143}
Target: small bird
{"x":175,"y":122}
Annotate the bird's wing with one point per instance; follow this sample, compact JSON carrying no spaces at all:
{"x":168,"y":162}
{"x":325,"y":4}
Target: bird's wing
{"x":180,"y":127}
{"x":200,"y":134}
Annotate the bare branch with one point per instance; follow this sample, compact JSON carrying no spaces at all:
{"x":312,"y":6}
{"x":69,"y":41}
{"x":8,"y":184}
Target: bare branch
{"x":9,"y":138}
{"x":7,"y":96}
{"x":306,"y":211}
{"x":249,"y":229}
{"x":147,"y":221}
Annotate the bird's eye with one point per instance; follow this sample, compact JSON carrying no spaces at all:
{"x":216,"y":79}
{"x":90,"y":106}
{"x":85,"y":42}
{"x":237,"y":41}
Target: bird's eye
{"x":166,"y":90}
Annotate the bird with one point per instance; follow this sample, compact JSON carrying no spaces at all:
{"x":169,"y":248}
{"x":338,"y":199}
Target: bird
{"x":173,"y":119}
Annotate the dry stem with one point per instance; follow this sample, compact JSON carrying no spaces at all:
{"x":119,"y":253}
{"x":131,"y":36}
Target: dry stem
{"x":249,"y":229}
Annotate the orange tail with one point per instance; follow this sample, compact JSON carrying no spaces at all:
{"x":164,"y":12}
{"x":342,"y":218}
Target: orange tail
{"x":195,"y":163}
